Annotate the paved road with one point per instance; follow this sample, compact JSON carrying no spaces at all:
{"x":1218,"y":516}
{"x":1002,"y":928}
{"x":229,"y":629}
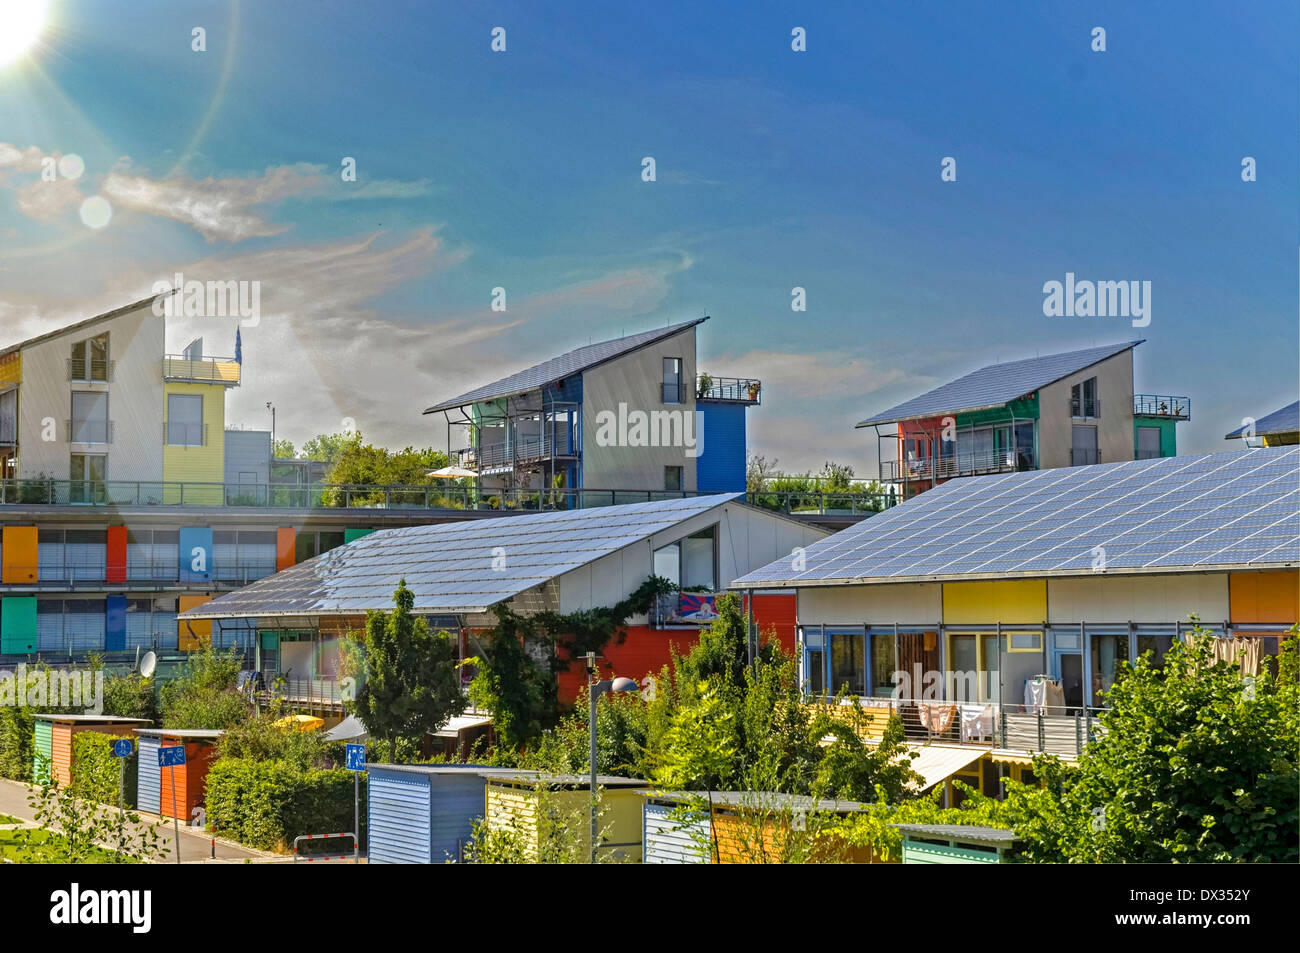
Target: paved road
{"x":196,"y":847}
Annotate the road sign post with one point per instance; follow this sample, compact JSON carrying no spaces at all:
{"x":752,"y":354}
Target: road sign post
{"x":122,"y":749}
{"x":356,"y":764}
{"x":172,"y":757}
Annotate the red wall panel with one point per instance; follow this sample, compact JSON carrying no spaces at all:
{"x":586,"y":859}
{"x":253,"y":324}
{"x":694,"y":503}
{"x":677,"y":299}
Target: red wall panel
{"x":115,"y":562}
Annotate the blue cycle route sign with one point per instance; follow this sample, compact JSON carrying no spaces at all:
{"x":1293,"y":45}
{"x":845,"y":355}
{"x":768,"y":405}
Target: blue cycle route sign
{"x":356,"y":757}
{"x":172,"y":756}
{"x":122,"y":748}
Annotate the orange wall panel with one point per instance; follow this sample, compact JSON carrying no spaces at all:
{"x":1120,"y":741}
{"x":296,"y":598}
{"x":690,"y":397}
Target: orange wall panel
{"x":284,"y":548}
{"x":191,"y":633}
{"x":115,"y":555}
{"x":18,"y":554}
{"x":1264,"y":597}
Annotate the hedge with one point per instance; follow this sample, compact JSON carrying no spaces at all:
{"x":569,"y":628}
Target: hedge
{"x":266,"y":804}
{"x":16,"y":730}
{"x":97,"y":772}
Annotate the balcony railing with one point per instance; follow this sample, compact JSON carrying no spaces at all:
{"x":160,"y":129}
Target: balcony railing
{"x":92,"y":371}
{"x":961,"y":463}
{"x":1162,"y":405}
{"x":401,"y":497}
{"x":523,"y":449}
{"x":1084,"y":458}
{"x":176,"y":434}
{"x":988,"y":724}
{"x":204,"y":370}
{"x":741,"y":390}
{"x":72,"y":572}
{"x":1085,"y":407}
{"x":674,"y":393}
{"x":89,"y":431}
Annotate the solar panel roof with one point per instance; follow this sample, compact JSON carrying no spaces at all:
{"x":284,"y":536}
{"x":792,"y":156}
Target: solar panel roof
{"x":996,"y":384}
{"x":453,"y":567}
{"x":1286,"y":420}
{"x":1195,"y":513}
{"x":558,"y":368}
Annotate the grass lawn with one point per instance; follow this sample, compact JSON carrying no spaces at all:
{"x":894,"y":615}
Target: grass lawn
{"x":14,"y":845}
{"x":6,"y":819}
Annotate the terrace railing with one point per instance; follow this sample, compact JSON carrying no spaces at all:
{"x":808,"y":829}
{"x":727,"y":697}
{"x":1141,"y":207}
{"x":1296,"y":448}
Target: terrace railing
{"x":286,"y":496}
{"x":741,"y":390}
{"x":1162,"y":405}
{"x":988,"y":724}
{"x":961,"y":463}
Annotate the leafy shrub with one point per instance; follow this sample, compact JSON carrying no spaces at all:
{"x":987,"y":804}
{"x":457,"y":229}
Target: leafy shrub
{"x":16,"y":743}
{"x":266,"y":804}
{"x":97,"y":773}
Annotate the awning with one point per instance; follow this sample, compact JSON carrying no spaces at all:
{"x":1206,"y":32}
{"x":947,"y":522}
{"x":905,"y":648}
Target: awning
{"x":454,"y":726}
{"x":349,"y":729}
{"x":300,"y":722}
{"x":937,"y":763}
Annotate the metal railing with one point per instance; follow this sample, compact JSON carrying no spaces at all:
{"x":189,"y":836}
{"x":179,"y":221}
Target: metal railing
{"x":1063,"y":731}
{"x":311,"y":692}
{"x":674,"y":393}
{"x":139,"y":572}
{"x":524,"y":448}
{"x":961,"y":463}
{"x":89,"y":431}
{"x":1085,"y":407}
{"x":92,"y":371}
{"x":177,"y":434}
{"x":203,"y":370}
{"x":1084,"y":458}
{"x":745,"y":390}
{"x":1162,"y":405}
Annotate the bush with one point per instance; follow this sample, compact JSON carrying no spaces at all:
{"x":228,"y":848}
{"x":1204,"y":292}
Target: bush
{"x":16,"y":743}
{"x":266,"y":804}
{"x":204,"y":696}
{"x":261,"y":739}
{"x":97,"y":773}
{"x":130,"y":696}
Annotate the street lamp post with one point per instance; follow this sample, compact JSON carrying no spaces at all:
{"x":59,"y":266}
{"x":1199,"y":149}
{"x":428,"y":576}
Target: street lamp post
{"x":595,"y":690}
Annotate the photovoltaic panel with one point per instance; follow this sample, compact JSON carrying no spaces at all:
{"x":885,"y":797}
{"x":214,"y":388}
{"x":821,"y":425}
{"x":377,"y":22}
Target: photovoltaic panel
{"x":1225,"y":509}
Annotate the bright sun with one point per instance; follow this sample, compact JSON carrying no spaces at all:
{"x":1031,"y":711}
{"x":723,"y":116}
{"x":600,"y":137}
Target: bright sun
{"x":21,"y":22}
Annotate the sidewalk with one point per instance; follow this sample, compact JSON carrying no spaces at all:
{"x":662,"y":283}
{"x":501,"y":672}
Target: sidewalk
{"x":195,"y":846}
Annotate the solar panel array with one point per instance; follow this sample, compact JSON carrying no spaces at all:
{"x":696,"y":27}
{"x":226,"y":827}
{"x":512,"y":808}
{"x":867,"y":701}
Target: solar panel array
{"x":1199,"y":512}
{"x":454,"y":567}
{"x":997,"y":384}
{"x":557,"y":368}
{"x":1285,"y":420}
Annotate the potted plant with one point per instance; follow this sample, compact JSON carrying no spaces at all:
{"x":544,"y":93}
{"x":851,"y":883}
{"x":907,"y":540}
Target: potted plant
{"x":703,"y":385}
{"x":753,"y":390}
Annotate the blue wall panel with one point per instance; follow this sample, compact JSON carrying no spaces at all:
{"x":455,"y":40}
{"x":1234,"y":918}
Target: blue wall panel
{"x":720,"y":468}
{"x":194,"y":554}
{"x":115,"y":623}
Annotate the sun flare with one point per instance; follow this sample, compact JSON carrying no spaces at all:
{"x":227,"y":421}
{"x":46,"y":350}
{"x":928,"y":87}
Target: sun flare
{"x":21,"y":22}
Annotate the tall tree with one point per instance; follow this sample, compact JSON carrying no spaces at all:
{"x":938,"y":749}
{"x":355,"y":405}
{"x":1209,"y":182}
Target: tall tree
{"x":408,"y":682}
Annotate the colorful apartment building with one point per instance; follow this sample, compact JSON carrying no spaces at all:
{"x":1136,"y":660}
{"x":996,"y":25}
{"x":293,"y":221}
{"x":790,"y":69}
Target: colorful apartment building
{"x":992,"y":613}
{"x":630,"y":414}
{"x":1060,"y":410}
{"x":564,"y":561}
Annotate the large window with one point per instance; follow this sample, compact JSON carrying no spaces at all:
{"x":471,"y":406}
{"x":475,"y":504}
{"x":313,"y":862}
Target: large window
{"x":1083,"y":399}
{"x":848,"y":661}
{"x":1083,"y":446}
{"x":883,"y":664}
{"x":1106,"y":654}
{"x":690,"y":563}
{"x":674,"y":390}
{"x":89,"y":361}
{"x":185,"y":420}
{"x":89,"y":422}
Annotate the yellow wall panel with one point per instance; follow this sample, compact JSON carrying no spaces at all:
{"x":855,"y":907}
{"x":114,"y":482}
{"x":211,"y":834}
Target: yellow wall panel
{"x":18,"y":551}
{"x":199,"y":464}
{"x":191,"y":634}
{"x":11,"y":368}
{"x":1009,"y":601}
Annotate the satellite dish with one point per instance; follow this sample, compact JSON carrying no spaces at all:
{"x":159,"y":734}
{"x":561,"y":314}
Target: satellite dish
{"x":148,"y":664}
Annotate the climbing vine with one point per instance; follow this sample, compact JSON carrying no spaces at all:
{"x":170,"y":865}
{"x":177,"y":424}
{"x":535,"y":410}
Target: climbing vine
{"x":521,"y":658}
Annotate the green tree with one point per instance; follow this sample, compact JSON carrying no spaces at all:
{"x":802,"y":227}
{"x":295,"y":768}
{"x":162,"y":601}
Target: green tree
{"x":330,"y":447}
{"x":284,"y":450}
{"x":408,"y":683}
{"x":204,"y":695}
{"x":1194,"y":765}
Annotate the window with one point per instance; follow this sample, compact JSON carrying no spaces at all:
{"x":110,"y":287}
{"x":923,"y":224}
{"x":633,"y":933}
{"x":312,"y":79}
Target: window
{"x":90,"y":360}
{"x":185,"y":420}
{"x":882,"y":663}
{"x":814,"y":663}
{"x":89,"y":418}
{"x":1106,"y":654}
{"x":1148,"y":443}
{"x":1083,"y":446}
{"x":87,"y":472}
{"x":673,"y":478}
{"x":848,"y":662}
{"x":690,"y":563}
{"x":1025,"y":459}
{"x":673,"y":391}
{"x":1025,"y":642}
{"x":8,"y":418}
{"x":1083,"y":399}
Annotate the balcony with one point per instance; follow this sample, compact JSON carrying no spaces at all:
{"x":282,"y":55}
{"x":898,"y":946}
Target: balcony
{"x":204,"y":370}
{"x":176,"y":434}
{"x":89,"y":431}
{"x":1085,"y":407}
{"x":1162,"y":405}
{"x":523,"y":451}
{"x":962,"y":463}
{"x":735,"y":390}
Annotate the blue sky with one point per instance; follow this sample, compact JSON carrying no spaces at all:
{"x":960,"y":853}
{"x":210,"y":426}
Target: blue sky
{"x":776,"y":169}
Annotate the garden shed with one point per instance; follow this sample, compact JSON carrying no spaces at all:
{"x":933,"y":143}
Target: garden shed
{"x":53,"y":735}
{"x":957,"y":844}
{"x":511,"y":805}
{"x":154,"y":784}
{"x":675,"y":831}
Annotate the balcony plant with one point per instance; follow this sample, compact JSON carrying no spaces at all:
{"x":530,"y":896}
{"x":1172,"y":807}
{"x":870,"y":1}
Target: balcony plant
{"x":753,"y":390}
{"x":703,"y":385}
